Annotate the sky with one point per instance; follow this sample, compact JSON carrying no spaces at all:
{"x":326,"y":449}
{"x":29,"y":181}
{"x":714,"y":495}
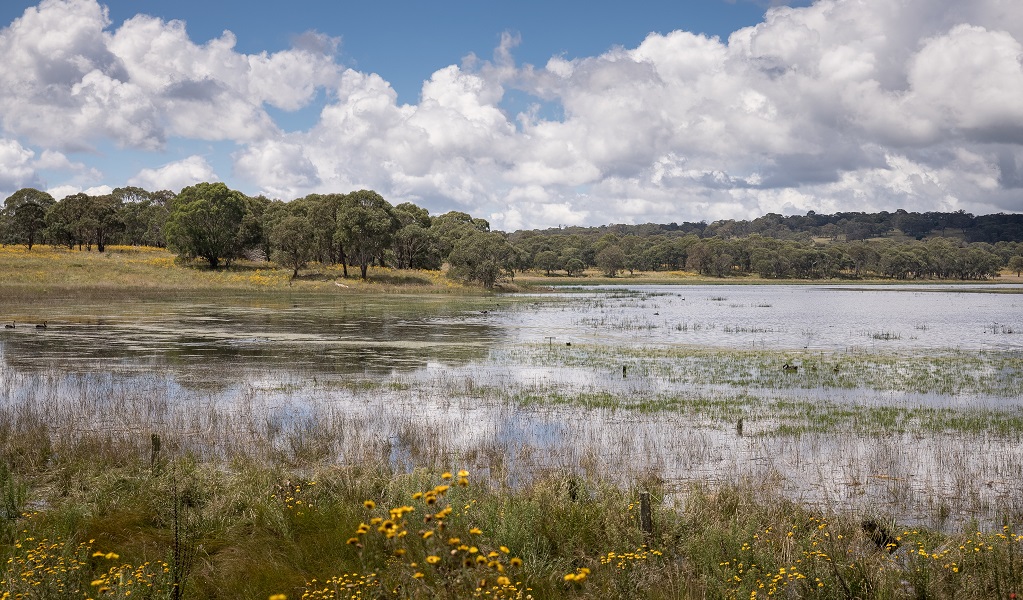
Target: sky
{"x":529,"y":114}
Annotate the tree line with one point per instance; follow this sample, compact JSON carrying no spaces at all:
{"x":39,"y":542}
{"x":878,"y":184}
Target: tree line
{"x":772,"y":258}
{"x":214,"y":223}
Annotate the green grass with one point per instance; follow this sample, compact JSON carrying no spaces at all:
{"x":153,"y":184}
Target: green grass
{"x":260,"y":509}
{"x":248,"y":530}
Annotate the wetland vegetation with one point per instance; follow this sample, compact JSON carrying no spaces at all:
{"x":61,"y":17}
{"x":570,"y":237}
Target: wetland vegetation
{"x":371,"y":441}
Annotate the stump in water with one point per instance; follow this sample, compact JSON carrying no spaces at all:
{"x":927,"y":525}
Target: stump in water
{"x":880,"y":535}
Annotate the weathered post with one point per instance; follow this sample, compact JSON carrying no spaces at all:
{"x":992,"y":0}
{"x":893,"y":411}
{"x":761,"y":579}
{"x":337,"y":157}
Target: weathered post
{"x":154,"y":457}
{"x":646,"y":519}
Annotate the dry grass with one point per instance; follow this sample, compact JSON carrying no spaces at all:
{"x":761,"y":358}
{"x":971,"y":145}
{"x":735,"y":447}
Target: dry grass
{"x":130,"y":271}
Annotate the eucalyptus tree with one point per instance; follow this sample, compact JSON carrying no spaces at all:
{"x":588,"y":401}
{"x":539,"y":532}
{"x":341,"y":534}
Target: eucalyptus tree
{"x":415,"y":244}
{"x":1016,"y":264}
{"x":144,"y":215}
{"x":453,"y":226}
{"x":25,"y":215}
{"x":366,"y":226}
{"x":482,"y":257}
{"x":548,"y":260}
{"x":85,"y":220}
{"x":68,"y":222}
{"x":205,"y":221}
{"x":610,"y":259}
{"x":292,"y":241}
{"x":324,"y":214}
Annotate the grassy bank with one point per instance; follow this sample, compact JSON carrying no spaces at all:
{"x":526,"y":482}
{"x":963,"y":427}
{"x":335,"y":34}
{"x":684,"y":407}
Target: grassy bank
{"x":131,"y":526}
{"x":139,"y":271}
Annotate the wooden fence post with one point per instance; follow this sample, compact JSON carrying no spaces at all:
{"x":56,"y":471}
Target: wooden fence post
{"x":646,"y":519}
{"x":154,"y":457}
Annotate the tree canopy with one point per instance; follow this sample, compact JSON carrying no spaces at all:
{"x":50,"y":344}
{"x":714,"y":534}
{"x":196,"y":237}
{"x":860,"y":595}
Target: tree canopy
{"x":25,"y":215}
{"x":482,"y":257}
{"x":366,"y":225}
{"x":205,"y":221}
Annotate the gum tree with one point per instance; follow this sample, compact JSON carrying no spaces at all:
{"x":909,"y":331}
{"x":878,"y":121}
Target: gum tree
{"x":482,"y":258}
{"x":366,"y":225}
{"x":205,"y":221}
{"x":25,"y":215}
{"x":292,"y":241}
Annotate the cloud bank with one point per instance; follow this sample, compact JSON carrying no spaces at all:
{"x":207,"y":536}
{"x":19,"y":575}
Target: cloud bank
{"x":845,"y":105}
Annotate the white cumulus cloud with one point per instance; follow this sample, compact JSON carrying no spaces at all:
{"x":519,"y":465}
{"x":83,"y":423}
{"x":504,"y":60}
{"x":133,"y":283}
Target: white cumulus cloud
{"x":176,"y":175}
{"x":16,"y":167}
{"x":71,"y":81}
{"x":842,"y":105}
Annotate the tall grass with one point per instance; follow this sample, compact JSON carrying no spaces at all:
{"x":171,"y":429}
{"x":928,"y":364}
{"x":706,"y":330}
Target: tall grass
{"x":254,"y":530}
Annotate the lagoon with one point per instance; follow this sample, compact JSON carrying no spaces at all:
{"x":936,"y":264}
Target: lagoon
{"x":905,"y":401}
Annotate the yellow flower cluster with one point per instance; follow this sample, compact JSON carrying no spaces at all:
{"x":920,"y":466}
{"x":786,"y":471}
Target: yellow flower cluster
{"x":439,"y":551}
{"x":163,"y":262}
{"x":348,"y":585}
{"x":51,"y":568}
{"x":954,"y":557}
{"x":296,"y":501}
{"x":622,"y":560}
{"x":503,"y":587}
{"x":124,"y":579}
{"x":743,"y":572}
{"x":579,"y":576}
{"x":43,"y":563}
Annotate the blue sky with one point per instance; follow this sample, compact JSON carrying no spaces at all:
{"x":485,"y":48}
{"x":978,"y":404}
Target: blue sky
{"x":570,"y":112}
{"x":408,"y":40}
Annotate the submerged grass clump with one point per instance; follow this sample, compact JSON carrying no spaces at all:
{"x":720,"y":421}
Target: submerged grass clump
{"x":949,"y":372}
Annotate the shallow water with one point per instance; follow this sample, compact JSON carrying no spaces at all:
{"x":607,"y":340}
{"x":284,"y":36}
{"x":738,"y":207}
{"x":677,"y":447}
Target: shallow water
{"x":823,"y":317}
{"x":238,"y":336}
{"x":400,"y":371}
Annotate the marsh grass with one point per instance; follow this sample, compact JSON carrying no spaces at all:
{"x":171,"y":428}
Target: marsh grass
{"x":365,"y":530}
{"x":946,"y":372}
